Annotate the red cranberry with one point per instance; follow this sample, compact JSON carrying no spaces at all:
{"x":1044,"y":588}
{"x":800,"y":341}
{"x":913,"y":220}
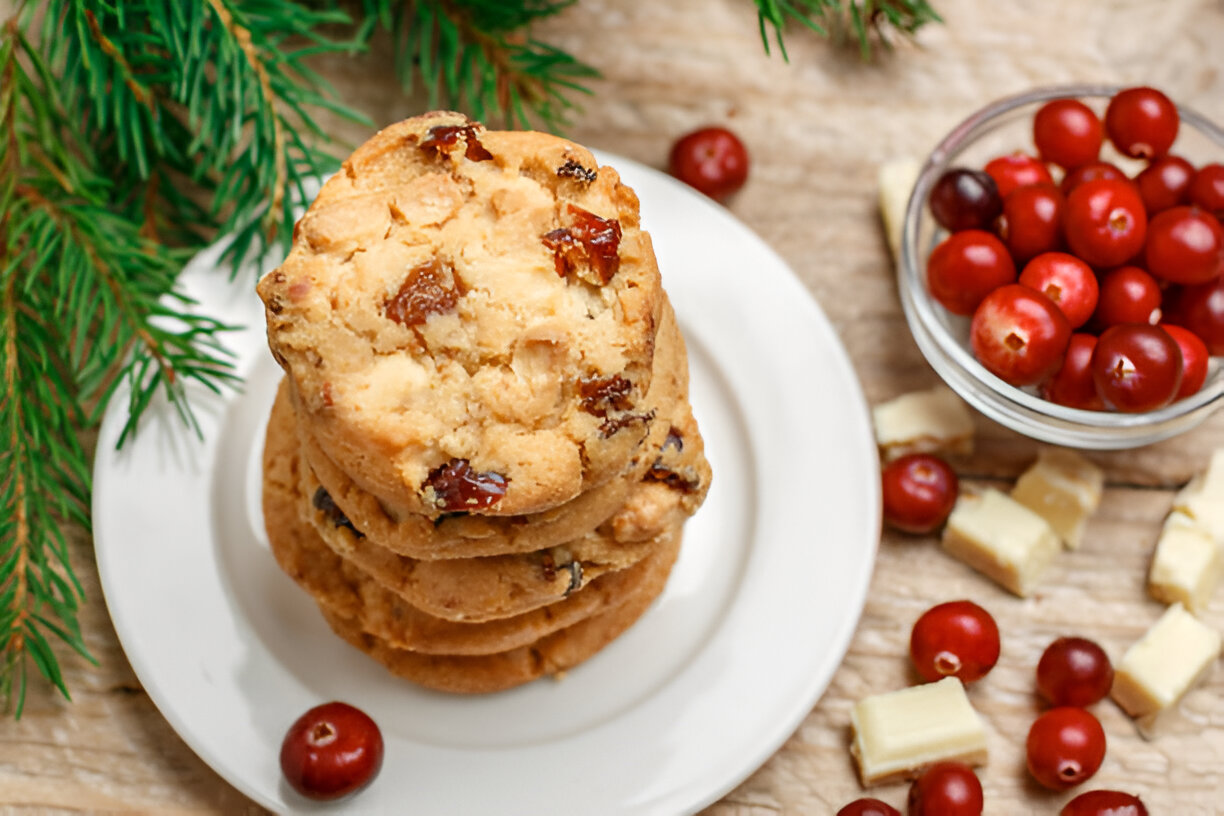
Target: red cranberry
{"x":331,"y":751}
{"x":712,"y":160}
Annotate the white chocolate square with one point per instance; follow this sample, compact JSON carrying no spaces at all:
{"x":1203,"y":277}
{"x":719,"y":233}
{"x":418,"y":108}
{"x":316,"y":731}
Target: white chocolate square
{"x":900,"y":731}
{"x":896,"y":179}
{"x":1187,"y":565}
{"x":1001,"y":538}
{"x":931,"y":421}
{"x":1165,"y":663}
{"x":1064,"y":488}
{"x":1203,"y":498}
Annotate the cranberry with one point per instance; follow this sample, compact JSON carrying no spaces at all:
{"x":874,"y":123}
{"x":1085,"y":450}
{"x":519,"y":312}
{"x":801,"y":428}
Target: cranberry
{"x":1201,"y":310}
{"x":1104,"y":803}
{"x":1128,"y":295}
{"x":1141,"y":122}
{"x":1068,"y":133}
{"x":1072,"y":385}
{"x":1067,"y":281}
{"x":946,"y":789}
{"x":868,"y":807}
{"x":1207,"y":189}
{"x":712,"y":160}
{"x":1137,"y":368}
{"x":919,"y":491}
{"x":1074,"y":671}
{"x":1194,"y":360}
{"x":429,"y":289}
{"x":1065,"y":747}
{"x":1032,"y":220}
{"x":967,"y":266}
{"x":1017,"y":170}
{"x":456,"y":485}
{"x":965,"y":199}
{"x":1185,"y":245}
{"x":331,"y":751}
{"x":1019,"y":335}
{"x":1105,"y":222}
{"x":954,"y":639}
{"x":1090,"y":172}
{"x":1165,"y":183}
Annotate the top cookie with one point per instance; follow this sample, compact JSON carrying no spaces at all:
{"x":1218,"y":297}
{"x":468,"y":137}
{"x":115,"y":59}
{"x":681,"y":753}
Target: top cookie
{"x":467,"y":319}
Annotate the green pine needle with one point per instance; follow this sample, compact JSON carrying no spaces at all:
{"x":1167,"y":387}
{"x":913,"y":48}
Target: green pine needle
{"x":867,"y":20}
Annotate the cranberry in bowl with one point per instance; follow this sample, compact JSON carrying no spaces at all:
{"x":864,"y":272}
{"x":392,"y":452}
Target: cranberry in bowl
{"x":1108,"y":223}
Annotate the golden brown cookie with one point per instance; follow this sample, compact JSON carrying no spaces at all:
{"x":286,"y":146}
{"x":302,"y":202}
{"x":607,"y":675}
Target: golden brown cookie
{"x":478,"y":674}
{"x":463,"y":535}
{"x":467,"y":319}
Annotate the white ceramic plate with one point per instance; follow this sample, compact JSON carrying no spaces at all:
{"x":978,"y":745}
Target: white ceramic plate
{"x":699,"y":693}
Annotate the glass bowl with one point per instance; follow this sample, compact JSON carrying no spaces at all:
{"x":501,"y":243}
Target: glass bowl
{"x":997,"y":129}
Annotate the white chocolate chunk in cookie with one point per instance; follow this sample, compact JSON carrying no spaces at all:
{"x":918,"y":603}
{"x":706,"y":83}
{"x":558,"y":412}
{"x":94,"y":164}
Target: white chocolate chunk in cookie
{"x":1001,"y":538}
{"x":1165,"y":663}
{"x":1064,"y":488}
{"x":1187,"y":566}
{"x":1203,"y":498}
{"x":923,"y":421}
{"x":899,"y":732}
{"x":896,"y":180}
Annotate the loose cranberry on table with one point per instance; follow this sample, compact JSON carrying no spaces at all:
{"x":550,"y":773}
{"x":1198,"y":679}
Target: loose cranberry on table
{"x":967,"y":266}
{"x":1032,"y":221}
{"x":954,"y":639}
{"x":1201,"y":310}
{"x":712,"y":160}
{"x":1074,"y":671}
{"x":1019,"y":335}
{"x":1194,"y":359}
{"x":1090,"y":172}
{"x":1067,"y":281}
{"x":1136,"y":368}
{"x":1067,"y":133}
{"x":965,"y":199}
{"x":1105,"y":223}
{"x":1128,"y":294}
{"x":1072,"y":385}
{"x":868,"y":807}
{"x":1165,"y":183}
{"x":331,"y":751}
{"x":1207,"y":189}
{"x":1141,"y":122}
{"x":1017,"y":170}
{"x":919,"y":491}
{"x":1065,"y":747}
{"x":1104,"y":803}
{"x":946,"y":789}
{"x":1185,"y":245}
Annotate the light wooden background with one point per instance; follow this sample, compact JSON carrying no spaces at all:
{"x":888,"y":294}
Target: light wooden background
{"x":817,"y":129}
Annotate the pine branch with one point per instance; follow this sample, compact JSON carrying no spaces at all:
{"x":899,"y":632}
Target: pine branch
{"x":473,"y":55}
{"x":867,"y":20}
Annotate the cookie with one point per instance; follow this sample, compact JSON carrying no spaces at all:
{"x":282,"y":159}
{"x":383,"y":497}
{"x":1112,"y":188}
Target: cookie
{"x":479,"y":674}
{"x":485,"y":588}
{"x":339,"y":586}
{"x":467,"y":319}
{"x":464,"y":535}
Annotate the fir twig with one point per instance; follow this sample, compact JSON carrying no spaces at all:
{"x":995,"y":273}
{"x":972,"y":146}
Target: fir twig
{"x":867,"y":20}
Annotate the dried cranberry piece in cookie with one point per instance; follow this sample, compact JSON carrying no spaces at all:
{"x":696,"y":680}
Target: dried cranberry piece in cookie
{"x":442,"y":138}
{"x":602,"y":394}
{"x":456,"y":486}
{"x":323,"y":502}
{"x":429,"y":289}
{"x":589,"y":239}
{"x":613,"y":424}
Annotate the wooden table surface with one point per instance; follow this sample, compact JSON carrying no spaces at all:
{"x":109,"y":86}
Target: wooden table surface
{"x":817,"y":130}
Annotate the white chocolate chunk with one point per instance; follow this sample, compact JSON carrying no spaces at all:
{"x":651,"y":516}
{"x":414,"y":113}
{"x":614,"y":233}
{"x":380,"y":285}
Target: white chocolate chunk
{"x":1064,"y":488}
{"x":923,"y":421}
{"x":901,"y":731}
{"x":1187,"y":565}
{"x":896,"y":179}
{"x":1165,"y":663}
{"x":1203,"y":498}
{"x":1001,"y":538}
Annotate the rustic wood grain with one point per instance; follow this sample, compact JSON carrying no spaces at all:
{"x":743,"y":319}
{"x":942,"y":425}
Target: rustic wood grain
{"x":817,"y":129}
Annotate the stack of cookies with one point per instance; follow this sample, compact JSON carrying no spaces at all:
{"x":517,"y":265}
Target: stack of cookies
{"x":482,"y":454}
